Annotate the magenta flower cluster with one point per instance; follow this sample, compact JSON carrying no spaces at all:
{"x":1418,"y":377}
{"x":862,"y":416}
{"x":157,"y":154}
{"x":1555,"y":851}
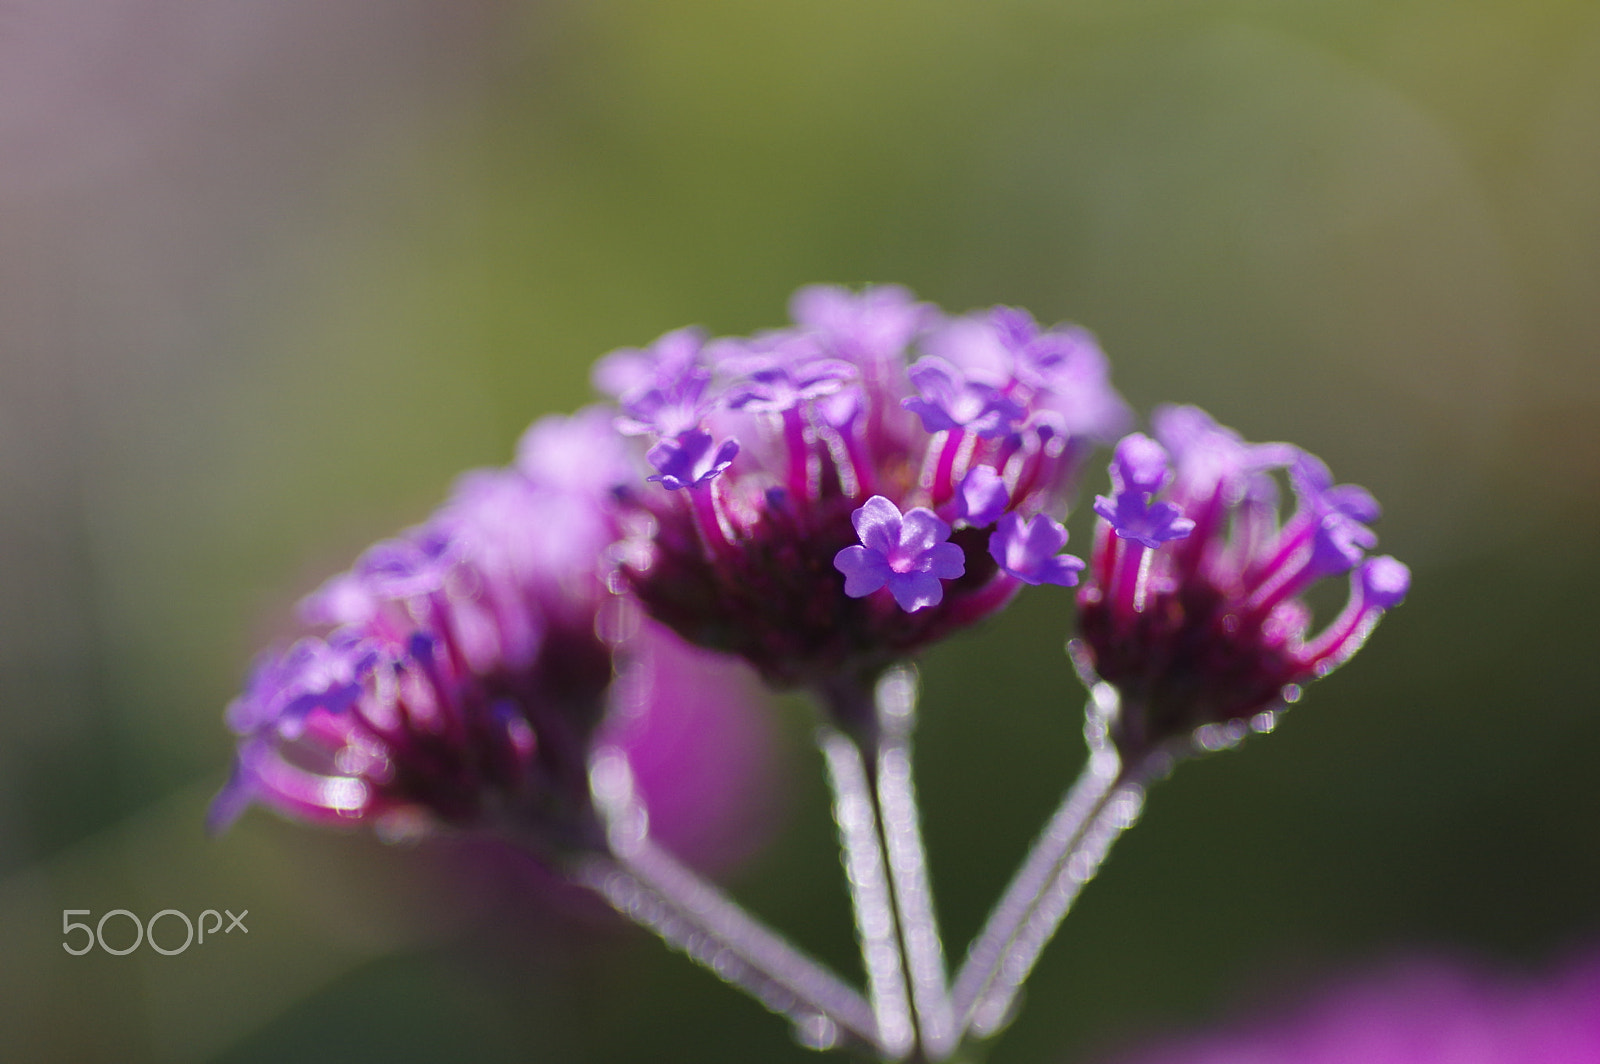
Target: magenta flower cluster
{"x":462,"y":670}
{"x":925,"y":459}
{"x":1194,"y":609}
{"x":821,"y":502}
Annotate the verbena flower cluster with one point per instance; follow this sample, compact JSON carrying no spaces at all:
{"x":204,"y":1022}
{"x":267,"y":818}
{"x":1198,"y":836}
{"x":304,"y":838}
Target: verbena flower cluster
{"x":464,"y":672}
{"x":1194,"y":611}
{"x":845,"y":491}
{"x":821,"y":501}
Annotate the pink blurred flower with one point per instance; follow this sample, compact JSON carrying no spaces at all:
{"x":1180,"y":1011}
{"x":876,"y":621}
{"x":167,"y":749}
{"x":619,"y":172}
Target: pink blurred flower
{"x":1418,"y":1012}
{"x":702,"y":750}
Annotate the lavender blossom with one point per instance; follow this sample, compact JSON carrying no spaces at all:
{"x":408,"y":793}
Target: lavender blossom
{"x":981,"y":498}
{"x":1031,"y":550}
{"x":907,"y":553}
{"x":754,"y":548}
{"x":948,"y":400}
{"x":690,"y":459}
{"x":1138,"y":470}
{"x":1192,"y":612}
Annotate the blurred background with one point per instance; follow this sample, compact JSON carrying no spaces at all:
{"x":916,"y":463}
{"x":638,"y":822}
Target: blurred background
{"x":272,"y":272}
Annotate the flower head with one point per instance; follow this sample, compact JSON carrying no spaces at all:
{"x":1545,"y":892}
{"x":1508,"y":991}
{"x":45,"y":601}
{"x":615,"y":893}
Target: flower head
{"x":465,"y":671}
{"x":831,"y":507}
{"x":1194,"y":611}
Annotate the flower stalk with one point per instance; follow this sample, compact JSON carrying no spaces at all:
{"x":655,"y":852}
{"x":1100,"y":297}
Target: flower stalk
{"x":1103,"y":802}
{"x":649,"y":886}
{"x":871,"y":896}
{"x":900,"y":823}
{"x":886,"y":865}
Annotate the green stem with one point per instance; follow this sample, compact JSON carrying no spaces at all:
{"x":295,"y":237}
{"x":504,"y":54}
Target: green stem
{"x":1097,"y":808}
{"x":646,"y":884}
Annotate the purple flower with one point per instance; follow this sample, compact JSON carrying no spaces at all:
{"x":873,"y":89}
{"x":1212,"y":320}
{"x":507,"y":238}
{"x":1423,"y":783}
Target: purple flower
{"x":462,"y":684}
{"x":1031,"y":550}
{"x":774,"y":384}
{"x":1192,"y":611}
{"x":1333,"y":518}
{"x":312,"y":674}
{"x":1139,"y":464}
{"x":1417,"y":1012}
{"x":394,"y":570}
{"x":981,"y":498}
{"x":661,"y":389}
{"x":845,"y":406}
{"x":579,"y":455}
{"x":1059,"y":374}
{"x":690,"y":460}
{"x":1138,"y":470}
{"x":702,"y":751}
{"x":873,"y":325}
{"x":907,"y":553}
{"x":948,"y":400}
{"x":1132,"y":516}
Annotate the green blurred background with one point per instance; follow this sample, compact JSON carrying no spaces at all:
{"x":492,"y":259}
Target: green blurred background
{"x":272,"y":272}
